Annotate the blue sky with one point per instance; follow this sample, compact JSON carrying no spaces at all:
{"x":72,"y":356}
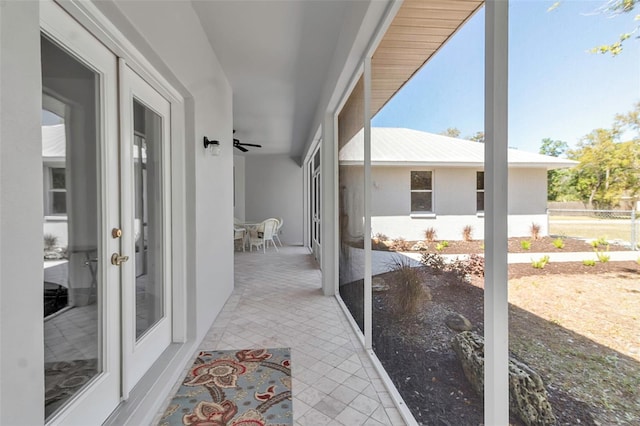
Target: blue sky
{"x":556,"y":88}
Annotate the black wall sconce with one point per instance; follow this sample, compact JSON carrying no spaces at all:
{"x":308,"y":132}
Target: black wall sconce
{"x":212,"y":146}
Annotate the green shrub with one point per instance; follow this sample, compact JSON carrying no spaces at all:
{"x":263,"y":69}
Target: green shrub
{"x":442,"y":245}
{"x":430,"y":234}
{"x":599,"y":242}
{"x":589,"y":262}
{"x":540,"y":263}
{"x":525,"y":244}
{"x":558,"y":243}
{"x":602,"y":257}
{"x":407,"y":292}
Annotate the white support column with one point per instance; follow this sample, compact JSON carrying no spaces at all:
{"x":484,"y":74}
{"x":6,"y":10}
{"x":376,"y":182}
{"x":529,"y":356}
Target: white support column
{"x":496,"y":387}
{"x":329,"y":206}
{"x":367,"y":205}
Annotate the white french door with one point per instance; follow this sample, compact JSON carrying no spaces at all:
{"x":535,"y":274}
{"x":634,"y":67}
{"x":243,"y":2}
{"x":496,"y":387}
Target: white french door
{"x":106,"y":138}
{"x":82,"y":367}
{"x":145,"y":212}
{"x":315,"y":226}
{"x":315,"y":194}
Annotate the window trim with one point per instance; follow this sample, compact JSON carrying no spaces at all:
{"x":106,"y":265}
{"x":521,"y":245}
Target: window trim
{"x":49,"y":190}
{"x":422,"y":213}
{"x":480,"y":212}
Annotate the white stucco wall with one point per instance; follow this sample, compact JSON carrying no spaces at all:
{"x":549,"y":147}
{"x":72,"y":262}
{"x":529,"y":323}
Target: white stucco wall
{"x":454,"y":201}
{"x":527,"y":191}
{"x":21,"y":273}
{"x":274,"y":189}
{"x":174,"y":33}
{"x":239,"y":182}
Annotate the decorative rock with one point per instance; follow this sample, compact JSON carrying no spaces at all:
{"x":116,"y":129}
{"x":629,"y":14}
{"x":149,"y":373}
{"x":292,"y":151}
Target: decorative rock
{"x":419,"y":246}
{"x":527,"y":394}
{"x":458,"y":322}
{"x":378,"y":284}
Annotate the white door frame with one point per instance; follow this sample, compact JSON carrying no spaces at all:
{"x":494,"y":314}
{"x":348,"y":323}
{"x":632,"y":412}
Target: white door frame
{"x":140,"y":354}
{"x":316,"y":212}
{"x":63,"y":22}
{"x":102,"y":395}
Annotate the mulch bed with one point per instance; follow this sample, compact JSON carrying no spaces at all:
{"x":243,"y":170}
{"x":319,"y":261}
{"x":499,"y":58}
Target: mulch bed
{"x":416,"y":352}
{"x":514,"y":245}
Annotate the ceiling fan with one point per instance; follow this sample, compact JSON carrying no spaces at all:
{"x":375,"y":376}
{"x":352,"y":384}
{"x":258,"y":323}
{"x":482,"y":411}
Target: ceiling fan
{"x":241,"y":146}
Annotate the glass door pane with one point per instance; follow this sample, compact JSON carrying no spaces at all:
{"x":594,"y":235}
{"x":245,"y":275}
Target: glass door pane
{"x":148,"y":221}
{"x":72,"y":283}
{"x":146,"y":215}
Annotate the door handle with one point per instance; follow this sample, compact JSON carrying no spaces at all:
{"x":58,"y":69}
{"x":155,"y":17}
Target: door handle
{"x":118,"y":260}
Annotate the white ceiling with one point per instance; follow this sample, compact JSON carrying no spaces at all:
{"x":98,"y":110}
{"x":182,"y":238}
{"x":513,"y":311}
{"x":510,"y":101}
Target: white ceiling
{"x":276,"y":56}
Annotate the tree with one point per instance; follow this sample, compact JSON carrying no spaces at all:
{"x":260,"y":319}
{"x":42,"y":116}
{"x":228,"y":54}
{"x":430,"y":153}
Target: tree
{"x":629,"y":121}
{"x":614,"y":8}
{"x":608,"y":168}
{"x":611,"y":8}
{"x":552,"y":147}
{"x":478,"y":137}
{"x":452,"y":132}
{"x":557,"y":180}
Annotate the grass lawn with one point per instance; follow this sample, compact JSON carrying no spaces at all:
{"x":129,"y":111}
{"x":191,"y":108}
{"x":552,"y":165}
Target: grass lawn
{"x":589,"y":227}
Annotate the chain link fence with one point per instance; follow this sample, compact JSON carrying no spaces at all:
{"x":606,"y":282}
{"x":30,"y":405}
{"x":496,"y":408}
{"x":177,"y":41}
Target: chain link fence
{"x":613,"y":225}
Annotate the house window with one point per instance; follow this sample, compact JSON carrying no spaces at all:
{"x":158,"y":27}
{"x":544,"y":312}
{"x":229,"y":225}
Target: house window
{"x":421,"y":191}
{"x":56,"y":191}
{"x":480,"y":191}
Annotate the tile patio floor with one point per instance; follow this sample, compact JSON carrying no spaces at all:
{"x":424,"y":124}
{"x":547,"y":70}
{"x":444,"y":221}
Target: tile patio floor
{"x":278,"y":302}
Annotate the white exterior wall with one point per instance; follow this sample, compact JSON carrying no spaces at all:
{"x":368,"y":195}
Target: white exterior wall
{"x":273,"y":186}
{"x":240,"y":189}
{"x":21,"y":273}
{"x":454,"y":201}
{"x":528,"y":191}
{"x":527,"y":201}
{"x":175,"y":34}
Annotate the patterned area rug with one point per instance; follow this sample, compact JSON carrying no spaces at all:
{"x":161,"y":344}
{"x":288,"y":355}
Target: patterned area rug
{"x":235,"y":388}
{"x":63,"y":379}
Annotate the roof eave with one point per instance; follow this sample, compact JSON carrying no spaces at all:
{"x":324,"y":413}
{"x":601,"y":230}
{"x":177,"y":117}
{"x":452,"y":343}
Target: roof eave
{"x":475,"y":164}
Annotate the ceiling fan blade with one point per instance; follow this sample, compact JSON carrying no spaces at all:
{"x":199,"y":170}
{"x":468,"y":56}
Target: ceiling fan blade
{"x":250,"y":144}
{"x":241,"y":148}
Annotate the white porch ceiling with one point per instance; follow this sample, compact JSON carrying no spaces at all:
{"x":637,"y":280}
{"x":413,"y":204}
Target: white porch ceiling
{"x":285,"y":58}
{"x":276,"y":56}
